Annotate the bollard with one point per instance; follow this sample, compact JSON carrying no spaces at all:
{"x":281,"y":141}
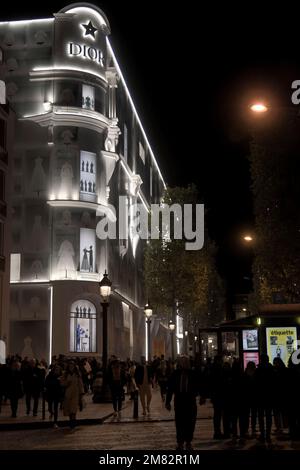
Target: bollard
{"x":43,"y":406}
{"x":135,"y":404}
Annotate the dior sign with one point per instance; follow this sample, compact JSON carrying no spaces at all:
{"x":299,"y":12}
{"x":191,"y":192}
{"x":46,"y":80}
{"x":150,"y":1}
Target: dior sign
{"x":87,"y":52}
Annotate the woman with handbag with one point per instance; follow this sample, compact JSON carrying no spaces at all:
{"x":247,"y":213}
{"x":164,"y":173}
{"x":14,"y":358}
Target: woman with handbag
{"x":74,"y":391}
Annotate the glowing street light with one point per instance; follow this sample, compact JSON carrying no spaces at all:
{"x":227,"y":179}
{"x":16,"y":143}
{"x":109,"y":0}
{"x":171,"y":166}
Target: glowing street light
{"x":148,"y":314}
{"x":172,"y":327}
{"x":248,"y":238}
{"x":258,"y":108}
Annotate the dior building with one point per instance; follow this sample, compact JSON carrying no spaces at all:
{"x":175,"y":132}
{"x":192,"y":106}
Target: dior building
{"x":78,"y":145}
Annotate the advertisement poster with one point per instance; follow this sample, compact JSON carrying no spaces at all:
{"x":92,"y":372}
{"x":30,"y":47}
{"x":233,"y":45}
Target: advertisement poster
{"x":280,"y":343}
{"x":250,"y":340}
{"x":251,"y":357}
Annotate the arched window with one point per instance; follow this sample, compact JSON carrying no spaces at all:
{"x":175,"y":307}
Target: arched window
{"x":83,"y":327}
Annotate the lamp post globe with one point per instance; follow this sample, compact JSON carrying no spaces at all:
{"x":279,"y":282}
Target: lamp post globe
{"x":105,"y":288}
{"x":172,"y":327}
{"x":148,"y":310}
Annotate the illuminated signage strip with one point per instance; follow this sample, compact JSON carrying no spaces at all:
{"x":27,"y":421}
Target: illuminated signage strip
{"x":134,"y":109}
{"x":99,"y":208}
{"x":51,"y":325}
{"x":67,"y":68}
{"x":124,"y":297}
{"x":140,"y":194}
{"x":26,"y":22}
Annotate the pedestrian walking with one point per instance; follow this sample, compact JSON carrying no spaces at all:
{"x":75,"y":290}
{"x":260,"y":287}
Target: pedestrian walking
{"x":264,"y":376}
{"x":73,"y":392}
{"x":33,"y":381}
{"x":162,"y":377}
{"x":143,"y":378}
{"x":14,"y":387}
{"x":53,"y":389}
{"x":116,"y":381}
{"x":184,"y":386}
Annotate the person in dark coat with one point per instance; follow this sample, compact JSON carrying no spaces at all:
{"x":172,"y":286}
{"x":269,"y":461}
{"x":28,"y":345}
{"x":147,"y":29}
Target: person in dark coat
{"x":33,"y":381}
{"x":15,"y":389}
{"x":184,"y":385}
{"x":116,"y":379}
{"x":54,"y":393}
{"x":4,"y":372}
{"x":162,"y":377}
{"x":215,"y":384}
{"x":293,"y":402}
{"x":264,"y":382}
{"x":280,"y":395}
{"x":249,"y":404}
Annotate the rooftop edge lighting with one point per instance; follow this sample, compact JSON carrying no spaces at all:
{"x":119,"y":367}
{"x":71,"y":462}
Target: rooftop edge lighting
{"x":110,"y":49}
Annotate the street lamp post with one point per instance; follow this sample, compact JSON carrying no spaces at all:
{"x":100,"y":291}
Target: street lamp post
{"x":148,"y":314}
{"x":186,"y":334}
{"x":172,"y":329}
{"x":105,"y":291}
{"x":196,"y":339}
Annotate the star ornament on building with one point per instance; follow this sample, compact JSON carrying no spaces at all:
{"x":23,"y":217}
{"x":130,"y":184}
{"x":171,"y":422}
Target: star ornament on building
{"x":90,"y":30}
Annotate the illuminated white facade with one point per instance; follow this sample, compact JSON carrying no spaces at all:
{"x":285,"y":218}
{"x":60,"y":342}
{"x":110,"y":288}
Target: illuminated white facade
{"x":78,"y":145}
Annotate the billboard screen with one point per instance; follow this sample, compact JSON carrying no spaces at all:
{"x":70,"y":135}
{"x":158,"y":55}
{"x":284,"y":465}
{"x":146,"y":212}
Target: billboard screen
{"x":281,"y":342}
{"x":250,"y":340}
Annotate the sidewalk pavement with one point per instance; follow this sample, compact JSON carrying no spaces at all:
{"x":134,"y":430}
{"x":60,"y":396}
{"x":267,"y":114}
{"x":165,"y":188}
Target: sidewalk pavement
{"x":93,"y":413}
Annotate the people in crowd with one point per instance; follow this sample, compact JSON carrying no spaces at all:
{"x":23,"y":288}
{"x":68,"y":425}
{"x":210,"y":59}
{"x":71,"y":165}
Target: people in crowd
{"x":162,"y":377}
{"x":248,"y":402}
{"x":267,"y":393}
{"x":54,"y":394}
{"x":265,"y":381}
{"x":143,"y":378}
{"x":215,"y":388}
{"x":131,"y":384}
{"x":14,"y":389}
{"x":33,"y":379}
{"x":73,"y":392}
{"x":280,"y":395}
{"x":97,"y":387}
{"x":184,"y":386}
{"x":116,"y":381}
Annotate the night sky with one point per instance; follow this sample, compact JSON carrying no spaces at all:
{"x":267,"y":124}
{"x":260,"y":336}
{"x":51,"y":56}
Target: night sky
{"x":192,"y":73}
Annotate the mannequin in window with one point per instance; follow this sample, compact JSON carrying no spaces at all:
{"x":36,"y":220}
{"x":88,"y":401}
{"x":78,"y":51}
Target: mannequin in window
{"x":91,"y":259}
{"x":85,"y":261}
{"x":66,"y":175}
{"x":38,"y":179}
{"x":27,"y":350}
{"x":88,"y":102}
{"x":65,"y":257}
